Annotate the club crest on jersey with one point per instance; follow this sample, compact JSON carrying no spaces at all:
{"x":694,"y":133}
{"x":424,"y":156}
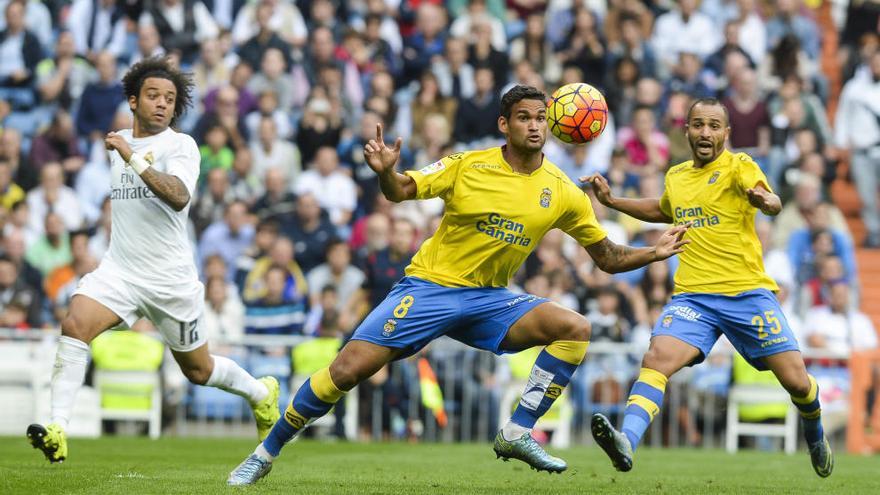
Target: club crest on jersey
{"x":667,"y":320}
{"x":545,"y":197}
{"x":432,"y":168}
{"x":714,"y":177}
{"x":389,"y":327}
{"x":149,"y":157}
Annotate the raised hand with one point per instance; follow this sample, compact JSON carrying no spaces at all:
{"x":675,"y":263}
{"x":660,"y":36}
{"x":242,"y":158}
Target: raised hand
{"x":600,"y":187}
{"x":382,"y":158}
{"x":672,"y":242}
{"x":116,"y":142}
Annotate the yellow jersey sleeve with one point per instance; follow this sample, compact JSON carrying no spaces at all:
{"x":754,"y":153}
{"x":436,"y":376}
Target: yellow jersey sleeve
{"x":437,"y":179}
{"x":578,"y":219}
{"x":750,"y":174}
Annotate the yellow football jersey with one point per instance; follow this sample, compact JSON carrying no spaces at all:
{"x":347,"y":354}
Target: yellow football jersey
{"x":724,"y":256}
{"x":495,"y":217}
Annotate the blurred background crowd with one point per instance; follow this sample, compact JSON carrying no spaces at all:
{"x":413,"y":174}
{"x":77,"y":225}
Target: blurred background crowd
{"x":290,"y":232}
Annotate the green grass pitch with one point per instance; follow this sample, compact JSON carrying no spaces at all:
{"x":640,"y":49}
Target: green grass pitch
{"x":131,"y":466}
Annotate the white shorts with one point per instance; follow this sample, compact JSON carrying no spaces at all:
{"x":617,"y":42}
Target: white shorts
{"x":176,"y":315}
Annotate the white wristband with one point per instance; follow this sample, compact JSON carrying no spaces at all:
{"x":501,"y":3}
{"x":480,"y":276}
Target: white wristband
{"x":138,"y":163}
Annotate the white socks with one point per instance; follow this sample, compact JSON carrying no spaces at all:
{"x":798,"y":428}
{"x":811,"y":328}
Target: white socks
{"x":229,"y":376}
{"x":513,"y":431}
{"x":68,"y":374}
{"x":262,"y":452}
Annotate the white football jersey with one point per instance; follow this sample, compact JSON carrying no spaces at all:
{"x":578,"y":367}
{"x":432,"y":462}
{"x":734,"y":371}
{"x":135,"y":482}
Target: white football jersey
{"x":149,"y":243}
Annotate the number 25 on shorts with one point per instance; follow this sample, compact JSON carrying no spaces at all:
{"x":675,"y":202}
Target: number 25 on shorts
{"x":402,"y":309}
{"x":771,"y":321}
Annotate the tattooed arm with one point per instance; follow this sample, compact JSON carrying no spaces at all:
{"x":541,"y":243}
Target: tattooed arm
{"x":166,"y":187}
{"x":614,"y":258}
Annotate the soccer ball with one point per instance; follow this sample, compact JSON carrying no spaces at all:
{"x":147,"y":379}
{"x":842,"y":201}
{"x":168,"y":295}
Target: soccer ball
{"x":577,"y":113}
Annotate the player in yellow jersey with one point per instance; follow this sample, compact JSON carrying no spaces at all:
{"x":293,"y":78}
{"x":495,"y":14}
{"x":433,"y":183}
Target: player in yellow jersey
{"x":499,"y":204}
{"x":720,"y":286}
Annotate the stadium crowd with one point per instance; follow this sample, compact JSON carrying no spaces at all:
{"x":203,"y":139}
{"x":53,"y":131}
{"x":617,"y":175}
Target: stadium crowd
{"x":290,"y":232}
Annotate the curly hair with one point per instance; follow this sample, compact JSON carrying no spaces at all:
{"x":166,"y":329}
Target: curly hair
{"x":163,"y":68}
{"x":517,"y":94}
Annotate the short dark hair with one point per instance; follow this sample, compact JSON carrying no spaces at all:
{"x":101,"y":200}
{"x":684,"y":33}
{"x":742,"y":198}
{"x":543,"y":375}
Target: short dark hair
{"x":709,"y":102}
{"x":162,"y":68}
{"x":518,"y":93}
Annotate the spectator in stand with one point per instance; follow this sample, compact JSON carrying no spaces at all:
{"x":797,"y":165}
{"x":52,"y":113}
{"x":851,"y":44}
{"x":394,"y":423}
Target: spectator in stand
{"x":182,"y":25}
{"x":37,"y":19}
{"x":246,"y":102}
{"x":53,"y":196}
{"x":273,"y":76}
{"x":210,"y":71}
{"x":426,"y":42}
{"x":688,"y":77}
{"x":271,"y":151}
{"x":277,"y":202}
{"x":95,"y":32}
{"x":752,"y":31}
{"x":226,"y":113}
{"x":816,"y":291}
{"x":816,"y":240}
{"x":62,"y":78}
{"x":275,"y":312}
{"x":807,"y":197}
{"x":228,"y":238}
{"x":683,"y":29}
{"x":633,"y":46}
{"x":58,"y":144}
{"x":319,"y":126}
{"x":647,"y":148}
{"x":428,"y":100}
{"x":839,"y":328}
{"x":321,"y":55}
{"x":477,"y":11}
{"x":385,"y":267}
{"x":280,"y":254}
{"x":335,"y":191}
{"x":789,"y":21}
{"x":584,"y":47}
{"x":52,"y":249}
{"x":253,"y":50}
{"x":216,"y":152}
{"x":245,"y":185}
{"x":19,"y":303}
{"x":285,"y":19}
{"x":100,"y":240}
{"x":311,"y":231}
{"x":14,"y":248}
{"x":470,"y":122}
{"x":21,"y":53}
{"x":370,"y":234}
{"x":210,"y":205}
{"x":61,"y":282}
{"x":339,"y":272}
{"x":148,"y":45}
{"x":749,"y":120}
{"x":100,"y":99}
{"x":265,"y":235}
{"x":267,"y":106}
{"x":455,"y":75}
{"x":223,"y":319}
{"x":10,"y":192}
{"x":858,"y":132}
{"x":351,"y":156}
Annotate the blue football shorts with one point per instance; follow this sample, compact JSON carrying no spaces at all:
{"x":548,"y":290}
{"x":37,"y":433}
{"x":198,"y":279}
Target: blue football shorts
{"x":752,"y":321}
{"x":416,"y":312}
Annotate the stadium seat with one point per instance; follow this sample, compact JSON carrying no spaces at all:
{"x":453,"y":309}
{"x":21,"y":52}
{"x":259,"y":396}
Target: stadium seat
{"x":142,"y":386}
{"x":755,"y":397}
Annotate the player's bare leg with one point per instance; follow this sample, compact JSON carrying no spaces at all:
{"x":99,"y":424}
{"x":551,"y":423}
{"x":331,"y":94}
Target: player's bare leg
{"x":203,"y":368}
{"x":664,"y":358}
{"x":792,"y":374}
{"x":356,"y":362}
{"x":85,"y":320}
{"x":566,"y":335}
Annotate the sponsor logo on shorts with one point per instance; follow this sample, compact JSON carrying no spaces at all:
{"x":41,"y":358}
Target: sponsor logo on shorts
{"x":524,"y":298}
{"x":684,"y":312}
{"x":667,"y":320}
{"x":389,"y":327}
{"x":777,"y":340}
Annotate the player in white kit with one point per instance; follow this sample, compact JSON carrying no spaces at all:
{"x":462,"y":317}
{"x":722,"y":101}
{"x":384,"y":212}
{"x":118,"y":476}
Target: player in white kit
{"x":148,"y":270}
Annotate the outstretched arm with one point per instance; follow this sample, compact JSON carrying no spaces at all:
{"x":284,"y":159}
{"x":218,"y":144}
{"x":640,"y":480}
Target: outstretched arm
{"x":646,"y":209}
{"x":166,"y":187}
{"x":382,"y":159}
{"x":614,"y":258}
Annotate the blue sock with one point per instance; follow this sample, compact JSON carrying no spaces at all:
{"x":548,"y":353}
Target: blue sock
{"x":549,"y":377}
{"x":811,"y":412}
{"x":314,"y":399}
{"x":643,"y":404}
